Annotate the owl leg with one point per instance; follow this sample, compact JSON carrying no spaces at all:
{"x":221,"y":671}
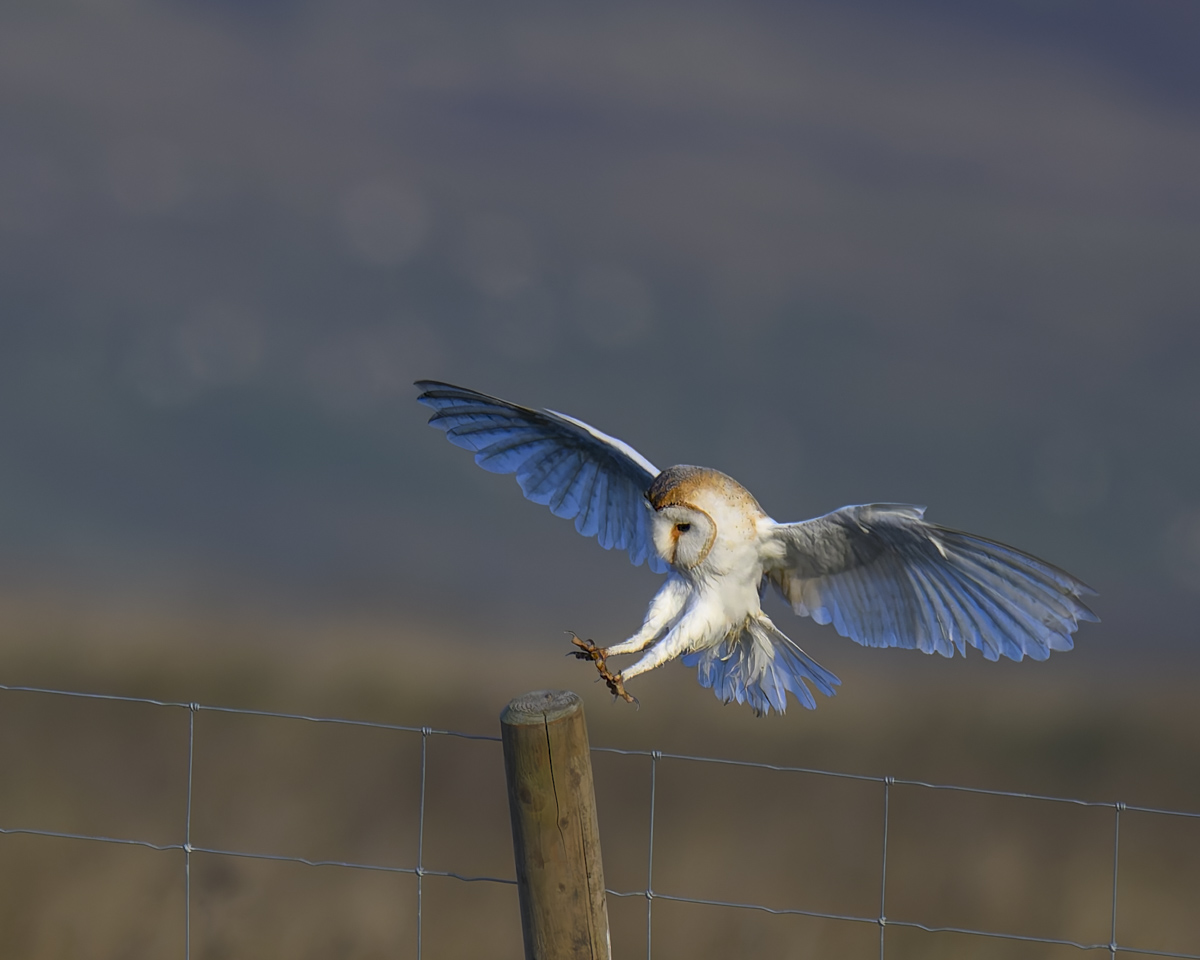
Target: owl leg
{"x":638,"y":642}
{"x":664,"y":610}
{"x":672,"y":645}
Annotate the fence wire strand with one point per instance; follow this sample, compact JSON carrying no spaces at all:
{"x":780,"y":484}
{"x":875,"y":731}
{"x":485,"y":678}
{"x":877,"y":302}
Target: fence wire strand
{"x":420,"y":871}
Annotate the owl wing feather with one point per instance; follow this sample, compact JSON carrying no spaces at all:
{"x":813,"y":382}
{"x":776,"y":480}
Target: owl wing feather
{"x":574,"y":469}
{"x":884,"y":577}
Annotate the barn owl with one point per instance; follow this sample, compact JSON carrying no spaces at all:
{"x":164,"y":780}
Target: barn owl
{"x":879,"y":573}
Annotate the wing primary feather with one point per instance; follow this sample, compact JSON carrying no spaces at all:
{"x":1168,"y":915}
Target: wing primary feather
{"x":941,"y":638}
{"x":963,"y":624}
{"x":561,"y":504}
{"x":1018,"y":558}
{"x":988,"y":614}
{"x":1016,"y":604}
{"x":588,"y":520}
{"x":1040,"y":605}
{"x":540,"y":482}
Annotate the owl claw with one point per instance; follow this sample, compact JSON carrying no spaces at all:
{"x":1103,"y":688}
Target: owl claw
{"x":589,"y":651}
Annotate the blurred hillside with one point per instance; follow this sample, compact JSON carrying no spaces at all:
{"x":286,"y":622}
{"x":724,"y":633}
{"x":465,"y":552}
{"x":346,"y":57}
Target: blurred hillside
{"x":845,"y":252}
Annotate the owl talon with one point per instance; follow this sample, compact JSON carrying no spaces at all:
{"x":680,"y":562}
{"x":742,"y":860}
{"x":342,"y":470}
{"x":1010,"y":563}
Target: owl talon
{"x":617,"y":687}
{"x":589,"y":651}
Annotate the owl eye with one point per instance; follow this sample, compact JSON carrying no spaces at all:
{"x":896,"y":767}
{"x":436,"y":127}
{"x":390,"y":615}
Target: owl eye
{"x":683,"y":527}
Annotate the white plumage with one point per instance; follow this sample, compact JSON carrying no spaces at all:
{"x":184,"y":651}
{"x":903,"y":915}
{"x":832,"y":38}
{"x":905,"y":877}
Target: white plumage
{"x":879,"y":573}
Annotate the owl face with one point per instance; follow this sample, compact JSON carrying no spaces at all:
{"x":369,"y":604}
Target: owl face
{"x":683,"y":535}
{"x":693,"y":504}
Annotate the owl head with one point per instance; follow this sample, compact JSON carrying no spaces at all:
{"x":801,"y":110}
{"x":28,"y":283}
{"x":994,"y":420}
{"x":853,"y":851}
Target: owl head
{"x":695,"y":508}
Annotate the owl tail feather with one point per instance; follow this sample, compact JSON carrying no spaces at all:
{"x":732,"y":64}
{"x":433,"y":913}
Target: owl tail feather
{"x":757,"y":664}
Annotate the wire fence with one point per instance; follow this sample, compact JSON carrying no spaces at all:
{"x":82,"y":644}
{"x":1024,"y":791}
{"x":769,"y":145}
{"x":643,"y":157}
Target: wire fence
{"x":419,"y":870}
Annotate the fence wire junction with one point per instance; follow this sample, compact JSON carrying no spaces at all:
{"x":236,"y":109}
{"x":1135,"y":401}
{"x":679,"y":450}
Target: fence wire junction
{"x":649,"y":894}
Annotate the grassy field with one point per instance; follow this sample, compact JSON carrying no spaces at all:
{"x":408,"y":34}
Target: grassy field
{"x":727,"y":833}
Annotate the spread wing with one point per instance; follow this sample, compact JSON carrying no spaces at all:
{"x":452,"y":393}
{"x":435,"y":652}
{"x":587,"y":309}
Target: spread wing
{"x":886,"y":578}
{"x":574,"y":469}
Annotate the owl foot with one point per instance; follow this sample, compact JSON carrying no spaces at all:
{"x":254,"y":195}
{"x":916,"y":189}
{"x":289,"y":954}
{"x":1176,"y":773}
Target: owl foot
{"x":589,"y":651}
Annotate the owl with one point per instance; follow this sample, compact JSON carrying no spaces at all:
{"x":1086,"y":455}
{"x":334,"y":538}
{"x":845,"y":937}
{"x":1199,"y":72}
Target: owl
{"x":879,"y":573}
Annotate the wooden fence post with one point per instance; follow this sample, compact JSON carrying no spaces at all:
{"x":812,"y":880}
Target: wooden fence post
{"x":556,"y":840}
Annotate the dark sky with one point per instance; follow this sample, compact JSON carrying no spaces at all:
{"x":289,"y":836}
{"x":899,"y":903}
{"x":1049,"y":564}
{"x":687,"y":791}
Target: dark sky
{"x":846,"y":252}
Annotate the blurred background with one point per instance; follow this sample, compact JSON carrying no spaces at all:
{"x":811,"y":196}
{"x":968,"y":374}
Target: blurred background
{"x":846,"y":252}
